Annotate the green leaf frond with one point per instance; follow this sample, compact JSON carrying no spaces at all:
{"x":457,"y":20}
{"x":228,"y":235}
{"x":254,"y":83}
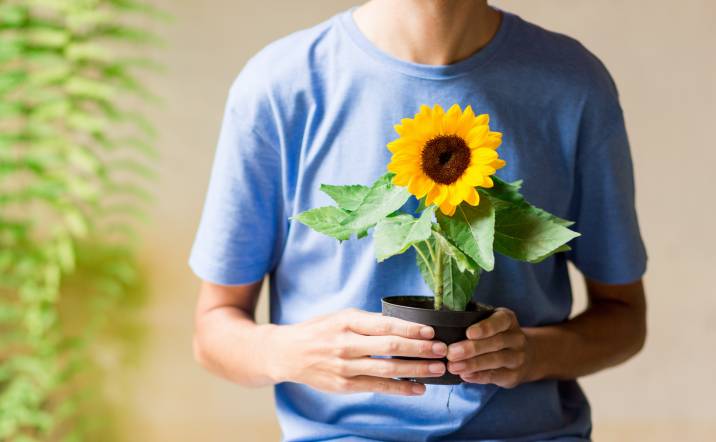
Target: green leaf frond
{"x":75,"y":156}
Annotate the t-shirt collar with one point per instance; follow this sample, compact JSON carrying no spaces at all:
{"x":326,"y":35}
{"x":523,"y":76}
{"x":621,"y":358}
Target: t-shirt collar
{"x":436,"y":72}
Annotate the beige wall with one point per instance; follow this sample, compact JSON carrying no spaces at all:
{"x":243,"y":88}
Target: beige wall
{"x":662,"y":56}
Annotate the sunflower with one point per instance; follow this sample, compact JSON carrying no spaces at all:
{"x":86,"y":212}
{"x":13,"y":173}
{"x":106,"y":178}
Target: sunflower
{"x":443,"y":156}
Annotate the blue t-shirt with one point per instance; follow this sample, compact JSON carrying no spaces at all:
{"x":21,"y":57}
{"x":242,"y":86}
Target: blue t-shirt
{"x":318,"y":106}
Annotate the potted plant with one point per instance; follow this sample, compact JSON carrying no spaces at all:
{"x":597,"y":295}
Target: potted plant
{"x":447,"y":160}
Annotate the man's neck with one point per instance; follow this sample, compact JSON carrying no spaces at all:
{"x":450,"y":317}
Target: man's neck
{"x":435,"y":32}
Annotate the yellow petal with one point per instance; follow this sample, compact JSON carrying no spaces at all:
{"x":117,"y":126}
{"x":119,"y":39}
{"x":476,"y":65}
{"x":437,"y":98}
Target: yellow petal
{"x":451,"y":118}
{"x":472,"y":176}
{"x":407,"y":168}
{"x":493,"y":140}
{"x":406,"y":165}
{"x":438,"y":113}
{"x":432,"y":194}
{"x":401,"y":179}
{"x":424,"y":111}
{"x":482,"y":119}
{"x":483,"y":154}
{"x":482,"y":168}
{"x":406,"y":126}
{"x":409,"y":154}
{"x":395,"y":168}
{"x":455,"y":195}
{"x":435,"y":191}
{"x":477,"y":136}
{"x":464,"y":187}
{"x":487,"y":183}
{"x":498,"y":163}
{"x":429,"y":184}
{"x":399,"y":144}
{"x":473,"y":198}
{"x":447,"y":209}
{"x":419,"y":185}
{"x":465,"y":122}
{"x":437,"y":195}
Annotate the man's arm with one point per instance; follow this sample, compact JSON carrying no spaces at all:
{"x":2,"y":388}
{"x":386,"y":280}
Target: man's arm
{"x":226,"y":335}
{"x":608,"y":332}
{"x":611,"y":330}
{"x":332,"y":352}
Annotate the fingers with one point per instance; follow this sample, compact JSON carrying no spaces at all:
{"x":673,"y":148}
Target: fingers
{"x":500,"y":359}
{"x":502,"y":377}
{"x":502,"y":320}
{"x":358,"y":345}
{"x":469,"y":349}
{"x":391,"y":368}
{"x":373,"y":384}
{"x":375,"y":324}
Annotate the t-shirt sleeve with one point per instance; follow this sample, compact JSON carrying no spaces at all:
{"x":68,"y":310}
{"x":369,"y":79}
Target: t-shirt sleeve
{"x":610,"y":248}
{"x":239,"y":236}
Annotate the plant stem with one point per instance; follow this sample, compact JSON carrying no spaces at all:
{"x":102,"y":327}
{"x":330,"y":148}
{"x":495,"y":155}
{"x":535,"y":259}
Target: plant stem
{"x":438,"y":278}
{"x":426,"y":261}
{"x":430,"y":249}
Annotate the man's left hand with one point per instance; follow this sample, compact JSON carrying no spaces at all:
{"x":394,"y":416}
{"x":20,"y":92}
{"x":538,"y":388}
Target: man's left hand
{"x":497,"y":351}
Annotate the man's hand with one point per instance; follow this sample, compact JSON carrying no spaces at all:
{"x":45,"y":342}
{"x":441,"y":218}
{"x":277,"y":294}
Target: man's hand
{"x":333,"y":353}
{"x":497,"y":351}
{"x":611,"y":330}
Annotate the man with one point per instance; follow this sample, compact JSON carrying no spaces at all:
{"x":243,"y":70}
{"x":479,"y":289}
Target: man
{"x":318,"y":106}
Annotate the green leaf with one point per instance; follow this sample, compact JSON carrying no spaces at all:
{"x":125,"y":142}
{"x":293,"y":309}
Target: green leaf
{"x":12,"y":15}
{"x":447,"y":248}
{"x":84,"y":122}
{"x":394,"y":235}
{"x":65,"y":250}
{"x":128,"y":34}
{"x":458,"y":284}
{"x":90,"y":88}
{"x":141,"y":8}
{"x":509,"y":192}
{"x":504,"y":192}
{"x":51,"y":38}
{"x":458,"y":281}
{"x":472,"y":229}
{"x":10,"y":80}
{"x":564,"y":248}
{"x":87,"y":52}
{"x":421,"y":204}
{"x":425,"y":265}
{"x":526,"y":233}
{"x":326,"y":220}
{"x":76,"y":222}
{"x":347,"y":197}
{"x":381,"y":200}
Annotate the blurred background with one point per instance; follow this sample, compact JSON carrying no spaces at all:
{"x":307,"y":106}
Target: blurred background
{"x":660,"y":53}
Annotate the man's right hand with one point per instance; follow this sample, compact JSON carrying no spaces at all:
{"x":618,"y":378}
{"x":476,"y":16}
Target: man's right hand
{"x":333,"y":353}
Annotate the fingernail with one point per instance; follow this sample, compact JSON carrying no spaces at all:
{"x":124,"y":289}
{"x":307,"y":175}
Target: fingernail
{"x":418,"y":388}
{"x":456,"y":352}
{"x":457,"y":366}
{"x":427,"y":332}
{"x":436,"y":367}
{"x":439,"y":348}
{"x":473,"y":333}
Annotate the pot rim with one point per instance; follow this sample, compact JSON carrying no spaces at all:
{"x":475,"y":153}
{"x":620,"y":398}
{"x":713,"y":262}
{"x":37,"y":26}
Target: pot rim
{"x":441,"y":318}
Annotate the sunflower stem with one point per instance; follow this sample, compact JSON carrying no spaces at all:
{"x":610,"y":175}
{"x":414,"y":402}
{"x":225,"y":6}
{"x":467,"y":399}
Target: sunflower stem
{"x":426,"y":261}
{"x":430,"y":249}
{"x":438,"y":278}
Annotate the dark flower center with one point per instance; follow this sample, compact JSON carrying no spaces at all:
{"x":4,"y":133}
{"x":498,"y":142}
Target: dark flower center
{"x":445,"y":158}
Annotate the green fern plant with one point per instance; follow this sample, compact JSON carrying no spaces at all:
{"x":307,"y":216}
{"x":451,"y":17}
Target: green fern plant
{"x":75,"y":165}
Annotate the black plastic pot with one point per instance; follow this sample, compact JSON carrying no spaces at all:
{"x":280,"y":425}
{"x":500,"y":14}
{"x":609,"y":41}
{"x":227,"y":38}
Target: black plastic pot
{"x":449,"y":326}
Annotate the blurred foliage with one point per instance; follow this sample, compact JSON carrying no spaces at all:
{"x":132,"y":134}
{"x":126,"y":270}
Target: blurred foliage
{"x":75,"y":168}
